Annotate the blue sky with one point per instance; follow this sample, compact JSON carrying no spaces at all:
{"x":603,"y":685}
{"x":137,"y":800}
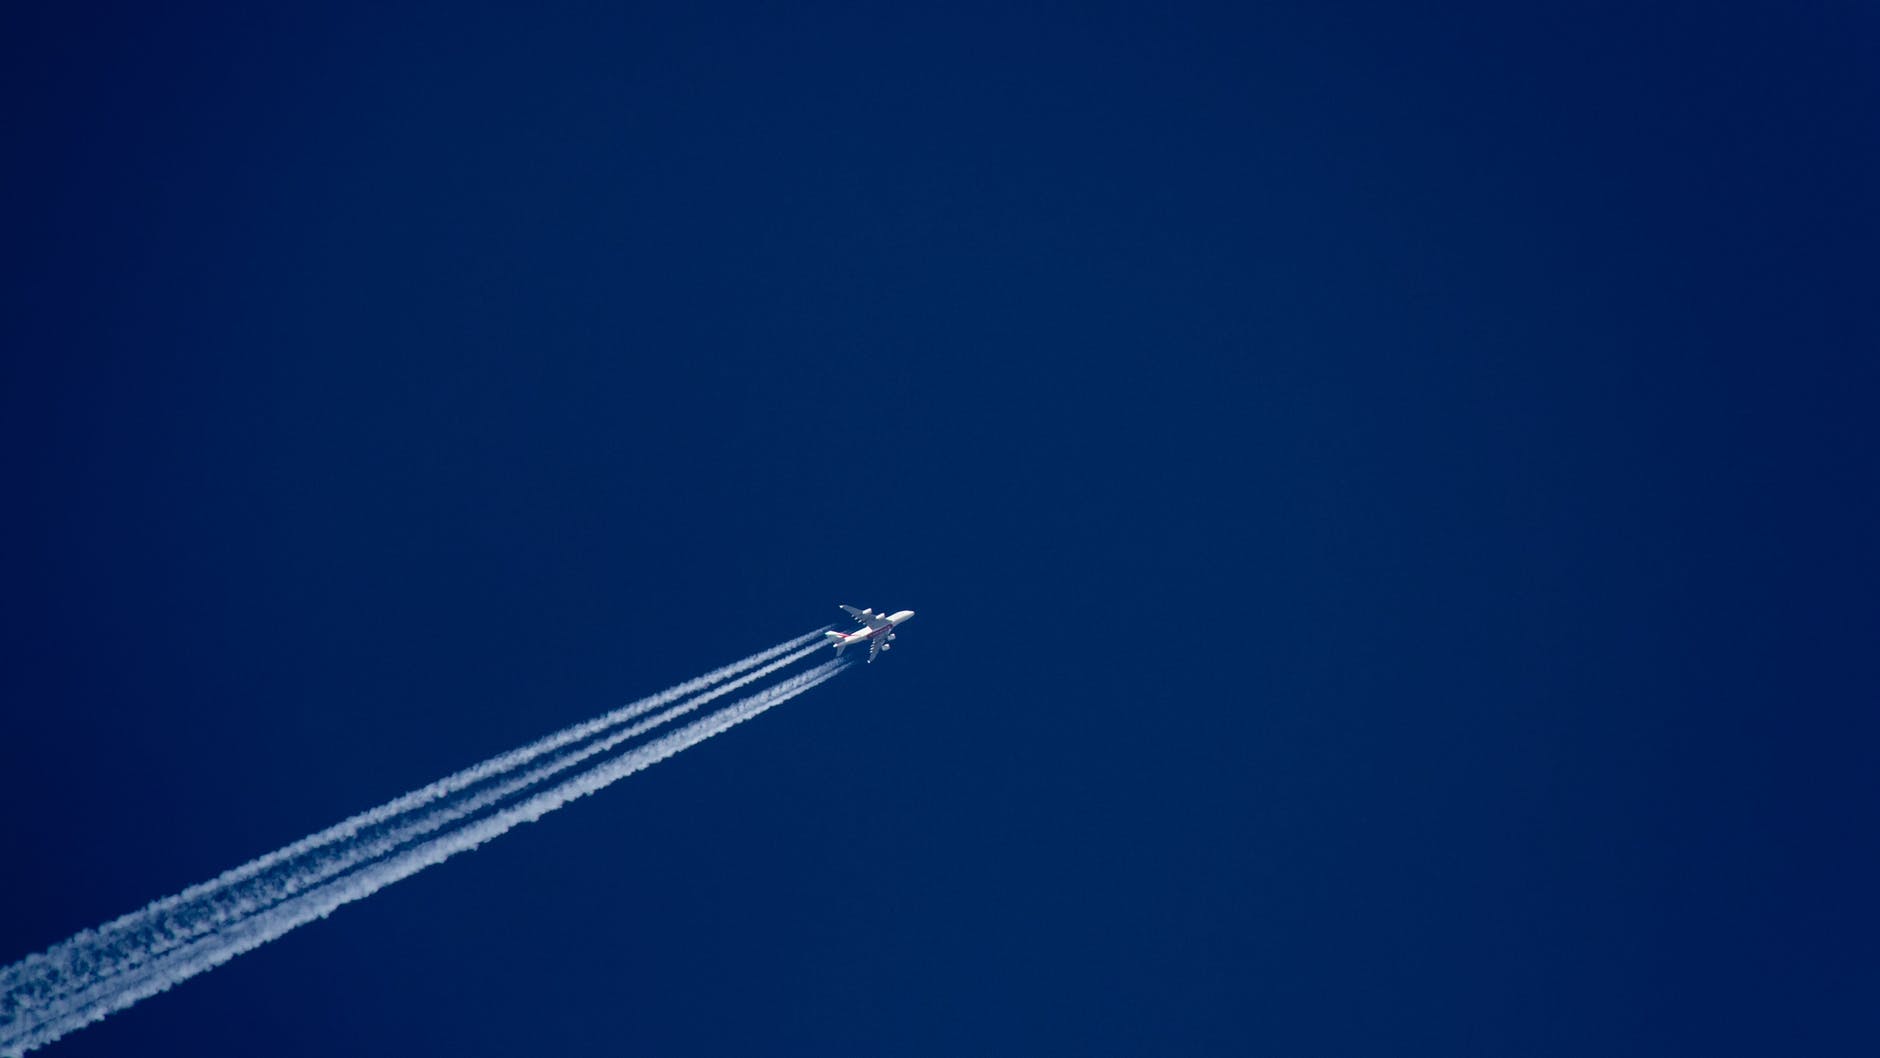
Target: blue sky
{"x":1389,"y":498}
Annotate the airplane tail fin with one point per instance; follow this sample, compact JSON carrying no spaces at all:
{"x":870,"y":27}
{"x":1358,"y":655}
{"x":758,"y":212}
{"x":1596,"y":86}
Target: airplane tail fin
{"x":838,"y":639}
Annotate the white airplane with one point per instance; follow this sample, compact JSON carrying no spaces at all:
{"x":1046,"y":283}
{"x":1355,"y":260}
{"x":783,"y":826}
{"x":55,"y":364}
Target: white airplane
{"x":877,"y":631}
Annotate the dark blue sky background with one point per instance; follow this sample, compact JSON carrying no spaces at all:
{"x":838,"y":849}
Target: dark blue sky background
{"x":1390,"y":497}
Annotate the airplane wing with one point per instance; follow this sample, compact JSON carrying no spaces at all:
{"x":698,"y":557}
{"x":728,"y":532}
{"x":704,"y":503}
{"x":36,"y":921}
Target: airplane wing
{"x":865,"y":617}
{"x":874,"y":647}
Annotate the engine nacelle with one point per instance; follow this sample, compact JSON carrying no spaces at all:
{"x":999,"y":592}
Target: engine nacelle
{"x":887,"y":646}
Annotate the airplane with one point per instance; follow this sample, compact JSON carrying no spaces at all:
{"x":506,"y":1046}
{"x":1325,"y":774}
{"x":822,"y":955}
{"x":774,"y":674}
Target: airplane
{"x":877,"y":633}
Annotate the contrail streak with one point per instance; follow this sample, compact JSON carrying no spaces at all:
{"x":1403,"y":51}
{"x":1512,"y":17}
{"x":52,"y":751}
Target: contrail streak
{"x":104,"y":959}
{"x":256,"y":930}
{"x":61,"y":955}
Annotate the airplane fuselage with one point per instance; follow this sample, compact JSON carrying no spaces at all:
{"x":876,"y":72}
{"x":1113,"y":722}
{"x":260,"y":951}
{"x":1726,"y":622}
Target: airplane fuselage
{"x":863,"y":635}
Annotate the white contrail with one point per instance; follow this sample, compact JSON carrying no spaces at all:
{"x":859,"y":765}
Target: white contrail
{"x":110,"y":956}
{"x":256,"y":930}
{"x":60,"y":957}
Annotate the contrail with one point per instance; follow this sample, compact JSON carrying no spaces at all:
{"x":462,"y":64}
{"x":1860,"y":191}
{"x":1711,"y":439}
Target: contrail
{"x":62,"y":953}
{"x":44,"y":987}
{"x":109,"y":955}
{"x":258,"y":929}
